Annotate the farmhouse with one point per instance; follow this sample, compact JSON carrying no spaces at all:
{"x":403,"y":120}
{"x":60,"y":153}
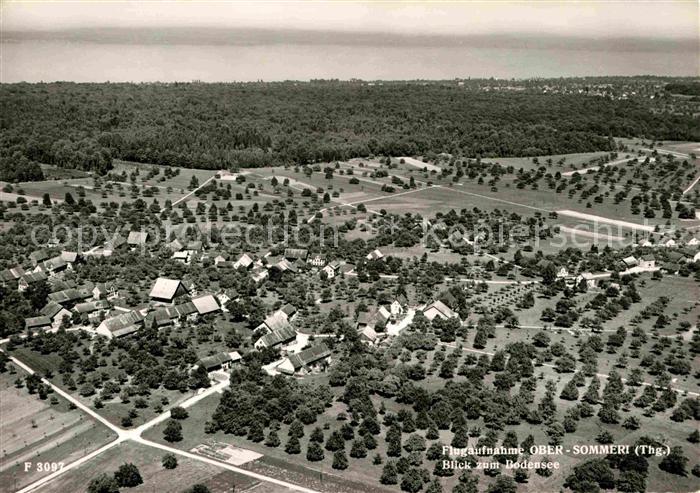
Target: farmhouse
{"x":332,"y":269}
{"x":91,"y":306}
{"x":317,"y":260}
{"x":137,"y":238}
{"x":289,"y":310}
{"x":37,"y":323}
{"x":296,"y":254}
{"x":630,"y":262}
{"x":375,"y":255}
{"x":276,"y":321}
{"x":369,"y":335}
{"x":175,"y":245}
{"x":438,"y":309}
{"x":306,"y":360}
{"x":259,"y":275}
{"x":166,"y":290}
{"x":12,"y":274}
{"x":219,"y":361}
{"x":169,"y":314}
{"x":206,"y":303}
{"x":30,"y":278}
{"x":397,"y":306}
{"x":55,"y":312}
{"x":245,"y":261}
{"x":115,"y":243}
{"x":277,"y":337}
{"x":38,"y":256}
{"x":647,"y":262}
{"x":107,"y":290}
{"x":53,"y":265}
{"x":69,"y":295}
{"x":121,"y":325}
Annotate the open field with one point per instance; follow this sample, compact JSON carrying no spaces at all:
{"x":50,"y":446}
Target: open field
{"x":155,"y":477}
{"x":39,"y":432}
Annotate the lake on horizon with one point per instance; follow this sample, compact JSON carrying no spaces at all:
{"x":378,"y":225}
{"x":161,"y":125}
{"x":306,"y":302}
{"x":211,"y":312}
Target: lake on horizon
{"x":35,"y":61}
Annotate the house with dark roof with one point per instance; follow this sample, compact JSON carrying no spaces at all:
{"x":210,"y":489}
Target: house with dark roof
{"x":219,"y":361}
{"x":313,"y":358}
{"x":166,"y":290}
{"x":69,"y":295}
{"x":31,"y":278}
{"x":55,"y":312}
{"x":38,"y":256}
{"x":277,"y":337}
{"x":37,"y":323}
{"x":11,"y":274}
{"x":121,"y":325}
{"x":296,"y":254}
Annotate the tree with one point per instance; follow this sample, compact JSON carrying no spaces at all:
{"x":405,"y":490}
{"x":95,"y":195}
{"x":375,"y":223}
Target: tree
{"x":293,"y":446}
{"x":503,"y":484}
{"x":389,"y":473}
{"x":178,"y":413}
{"x":47,"y":200}
{"x":273,"y":440}
{"x":631,"y":482}
{"x":128,"y":476}
{"x":169,"y":461}
{"x":590,"y":473}
{"x":103,"y":484}
{"x":675,"y":462}
{"x":314,"y":452}
{"x":358,"y":449}
{"x":340,"y":461}
{"x":173,"y":431}
{"x":412,"y":481}
{"x":198,"y":488}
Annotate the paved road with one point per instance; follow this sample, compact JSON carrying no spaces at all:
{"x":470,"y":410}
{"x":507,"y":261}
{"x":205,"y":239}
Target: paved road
{"x":184,"y":197}
{"x":135,"y":435}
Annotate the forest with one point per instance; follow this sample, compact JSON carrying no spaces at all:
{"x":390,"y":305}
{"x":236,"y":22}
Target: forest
{"x":213,"y":126}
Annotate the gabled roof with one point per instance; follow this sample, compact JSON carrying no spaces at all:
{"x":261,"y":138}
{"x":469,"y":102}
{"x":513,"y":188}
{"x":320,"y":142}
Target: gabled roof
{"x":279,"y":336}
{"x":308,"y":356}
{"x":296,"y":253}
{"x":217,"y":360}
{"x":441,"y":308}
{"x":244,"y":260}
{"x":32,"y":277}
{"x":115,"y":242}
{"x":137,"y":238}
{"x":167,"y":288}
{"x":54,"y":263}
{"x":51,"y":309}
{"x":288,"y":310}
{"x":68,"y":295}
{"x":34,"y":322}
{"x":206,"y":304}
{"x":39,"y":255}
{"x":375,"y":254}
{"x":12,"y":273}
{"x":276,"y":321}
{"x":124,"y":323}
{"x":175,"y":245}
{"x":91,"y":306}
{"x":69,"y":256}
{"x":648,"y":258}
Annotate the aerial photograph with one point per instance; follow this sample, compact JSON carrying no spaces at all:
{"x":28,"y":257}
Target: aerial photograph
{"x":329,"y":246}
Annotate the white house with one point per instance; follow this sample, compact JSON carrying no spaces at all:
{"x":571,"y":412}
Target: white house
{"x":375,"y":255}
{"x":647,"y":262}
{"x":438,"y":309}
{"x":121,"y":325}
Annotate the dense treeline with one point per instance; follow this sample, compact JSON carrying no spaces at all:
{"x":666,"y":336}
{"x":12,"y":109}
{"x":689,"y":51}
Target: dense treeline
{"x":687,"y":88}
{"x":212,"y":126}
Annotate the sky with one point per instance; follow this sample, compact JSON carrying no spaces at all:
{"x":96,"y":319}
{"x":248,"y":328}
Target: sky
{"x":674,"y":19}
